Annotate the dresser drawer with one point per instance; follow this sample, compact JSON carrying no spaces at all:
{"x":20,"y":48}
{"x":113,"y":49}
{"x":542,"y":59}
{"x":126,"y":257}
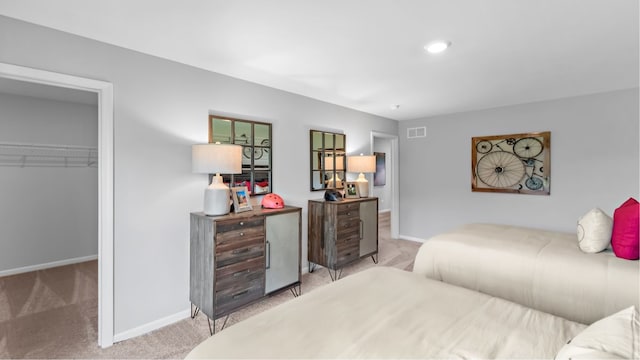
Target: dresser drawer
{"x":237,"y":295}
{"x":348,"y":251}
{"x":347,"y":216}
{"x":232,"y":230}
{"x":239,"y":250}
{"x":240,"y":273}
{"x":348,"y":229}
{"x":348,"y":209}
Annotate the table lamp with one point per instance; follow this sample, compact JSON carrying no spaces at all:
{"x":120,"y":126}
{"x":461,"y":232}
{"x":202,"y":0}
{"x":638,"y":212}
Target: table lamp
{"x":362,"y":164}
{"x":216,"y":159}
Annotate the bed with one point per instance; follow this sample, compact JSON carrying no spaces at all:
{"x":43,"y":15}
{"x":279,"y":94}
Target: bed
{"x":389,"y":313}
{"x":544,"y":270}
{"x":384,"y":312}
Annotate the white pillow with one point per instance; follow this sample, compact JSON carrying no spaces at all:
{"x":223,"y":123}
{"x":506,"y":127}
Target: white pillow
{"x":594,"y":231}
{"x":615,"y":337}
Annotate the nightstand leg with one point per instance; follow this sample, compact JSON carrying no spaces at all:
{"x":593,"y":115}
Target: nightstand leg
{"x":212,"y":329}
{"x":312,"y":267}
{"x":296,"y":292}
{"x":194,"y":311}
{"x":212,"y":324}
{"x":374,"y":257}
{"x":335,"y":275}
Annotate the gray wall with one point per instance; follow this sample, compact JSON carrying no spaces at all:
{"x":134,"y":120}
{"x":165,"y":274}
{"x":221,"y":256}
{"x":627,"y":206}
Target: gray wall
{"x":47,"y":214}
{"x":594,"y":163}
{"x":161,"y":109}
{"x":383,"y":193}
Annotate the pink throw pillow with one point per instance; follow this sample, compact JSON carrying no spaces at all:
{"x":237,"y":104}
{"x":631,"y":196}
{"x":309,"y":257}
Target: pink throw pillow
{"x":626,"y":226}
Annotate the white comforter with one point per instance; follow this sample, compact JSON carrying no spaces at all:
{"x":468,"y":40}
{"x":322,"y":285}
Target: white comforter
{"x":544,"y":270}
{"x":389,"y":313}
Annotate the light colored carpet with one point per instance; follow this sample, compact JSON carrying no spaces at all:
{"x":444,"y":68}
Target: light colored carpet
{"x":53,"y":313}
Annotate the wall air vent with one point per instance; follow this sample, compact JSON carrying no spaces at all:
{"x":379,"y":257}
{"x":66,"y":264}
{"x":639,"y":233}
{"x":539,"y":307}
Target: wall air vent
{"x":416,"y":132}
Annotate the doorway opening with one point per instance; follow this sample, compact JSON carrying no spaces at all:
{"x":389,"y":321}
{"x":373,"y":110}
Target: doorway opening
{"x":388,"y":194}
{"x":104,"y":91}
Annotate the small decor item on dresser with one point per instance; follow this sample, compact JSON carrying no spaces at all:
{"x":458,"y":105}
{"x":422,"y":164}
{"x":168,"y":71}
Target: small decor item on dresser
{"x":332,"y":195}
{"x":351,"y":190}
{"x":272,"y":201}
{"x":240,"y":197}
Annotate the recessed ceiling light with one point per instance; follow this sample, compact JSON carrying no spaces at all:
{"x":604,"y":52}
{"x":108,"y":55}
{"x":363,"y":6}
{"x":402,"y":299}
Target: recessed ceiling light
{"x":437,"y":46}
{"x":395,"y":107}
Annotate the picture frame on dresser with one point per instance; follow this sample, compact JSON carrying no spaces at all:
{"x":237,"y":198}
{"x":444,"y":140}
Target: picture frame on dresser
{"x":241,"y":200}
{"x":351,"y":190}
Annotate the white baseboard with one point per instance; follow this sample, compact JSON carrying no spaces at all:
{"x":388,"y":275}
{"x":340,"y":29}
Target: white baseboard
{"x":48,"y":265}
{"x":154,"y":325}
{"x":411,"y":238}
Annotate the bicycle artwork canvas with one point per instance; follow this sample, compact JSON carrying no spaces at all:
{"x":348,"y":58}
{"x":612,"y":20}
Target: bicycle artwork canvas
{"x":515,"y":163}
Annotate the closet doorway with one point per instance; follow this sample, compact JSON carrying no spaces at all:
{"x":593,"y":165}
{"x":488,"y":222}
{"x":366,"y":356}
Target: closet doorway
{"x":388,"y":196}
{"x":104,"y":93}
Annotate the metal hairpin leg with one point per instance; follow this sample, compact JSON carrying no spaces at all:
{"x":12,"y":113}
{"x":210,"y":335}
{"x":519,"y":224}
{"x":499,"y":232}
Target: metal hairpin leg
{"x":375,"y":259}
{"x":296,"y":292}
{"x":194,"y":312}
{"x":212,"y":327}
{"x":335,"y":275}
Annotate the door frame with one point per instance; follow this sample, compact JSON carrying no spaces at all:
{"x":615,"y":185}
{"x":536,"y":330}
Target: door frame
{"x":104,"y":90}
{"x":395,"y":195}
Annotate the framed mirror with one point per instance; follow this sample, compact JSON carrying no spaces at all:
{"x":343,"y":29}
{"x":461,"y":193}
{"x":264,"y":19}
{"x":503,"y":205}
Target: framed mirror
{"x":328,"y":161}
{"x":255,"y":138}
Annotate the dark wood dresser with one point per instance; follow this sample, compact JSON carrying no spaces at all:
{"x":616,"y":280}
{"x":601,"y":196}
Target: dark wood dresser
{"x":341,"y":232}
{"x":237,"y":259}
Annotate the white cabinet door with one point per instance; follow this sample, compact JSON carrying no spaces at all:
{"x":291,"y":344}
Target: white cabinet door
{"x":283,"y":250}
{"x":369,"y":227}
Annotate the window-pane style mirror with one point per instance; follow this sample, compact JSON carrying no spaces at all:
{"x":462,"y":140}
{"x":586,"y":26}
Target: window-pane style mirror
{"x":255,"y":138}
{"x":328,"y":161}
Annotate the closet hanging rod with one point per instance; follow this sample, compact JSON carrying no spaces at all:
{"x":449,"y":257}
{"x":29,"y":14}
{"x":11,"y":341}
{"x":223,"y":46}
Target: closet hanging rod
{"x":45,"y":146}
{"x":52,"y":155}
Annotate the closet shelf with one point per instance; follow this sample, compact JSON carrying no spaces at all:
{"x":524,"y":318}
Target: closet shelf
{"x":47,"y":155}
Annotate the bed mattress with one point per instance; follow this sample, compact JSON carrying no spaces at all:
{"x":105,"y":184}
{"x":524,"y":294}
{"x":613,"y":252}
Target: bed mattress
{"x":389,"y":313}
{"x":541,"y":269}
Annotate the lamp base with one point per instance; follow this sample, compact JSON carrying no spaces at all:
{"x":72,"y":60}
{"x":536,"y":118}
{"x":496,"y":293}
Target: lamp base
{"x":334,"y":183}
{"x":363,"y":185}
{"x":216,"y":198}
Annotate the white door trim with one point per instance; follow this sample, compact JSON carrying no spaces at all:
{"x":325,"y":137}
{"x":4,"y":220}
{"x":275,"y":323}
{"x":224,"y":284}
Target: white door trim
{"x":395,"y":195}
{"x":104,"y":90}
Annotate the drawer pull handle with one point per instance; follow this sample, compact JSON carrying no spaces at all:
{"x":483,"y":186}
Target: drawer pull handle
{"x":240,"y":251}
{"x":241,"y":234}
{"x":348,"y":213}
{"x":242,"y":272}
{"x":241,"y":223}
{"x":241,"y":293}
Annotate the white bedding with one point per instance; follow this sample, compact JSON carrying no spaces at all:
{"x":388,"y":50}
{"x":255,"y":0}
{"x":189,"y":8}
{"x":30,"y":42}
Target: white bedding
{"x":544,"y":270}
{"x":389,"y":313}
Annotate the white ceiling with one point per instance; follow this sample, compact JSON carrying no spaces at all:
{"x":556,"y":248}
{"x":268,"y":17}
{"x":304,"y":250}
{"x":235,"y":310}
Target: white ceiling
{"x":368,"y":54}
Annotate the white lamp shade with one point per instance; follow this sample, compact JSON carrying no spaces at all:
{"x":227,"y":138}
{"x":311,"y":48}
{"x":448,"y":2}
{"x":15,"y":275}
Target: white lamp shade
{"x":216,"y":159}
{"x":361,"y":164}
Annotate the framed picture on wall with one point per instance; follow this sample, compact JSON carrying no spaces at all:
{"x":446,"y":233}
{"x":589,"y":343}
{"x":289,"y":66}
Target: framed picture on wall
{"x":514,"y":163}
{"x":240,"y":197}
{"x":380,"y":176}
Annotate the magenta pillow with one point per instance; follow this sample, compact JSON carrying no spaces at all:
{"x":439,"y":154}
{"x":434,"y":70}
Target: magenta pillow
{"x":624,"y":237}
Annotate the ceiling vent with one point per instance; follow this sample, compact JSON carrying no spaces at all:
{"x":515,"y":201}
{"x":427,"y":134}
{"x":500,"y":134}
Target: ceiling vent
{"x":416,"y":132}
